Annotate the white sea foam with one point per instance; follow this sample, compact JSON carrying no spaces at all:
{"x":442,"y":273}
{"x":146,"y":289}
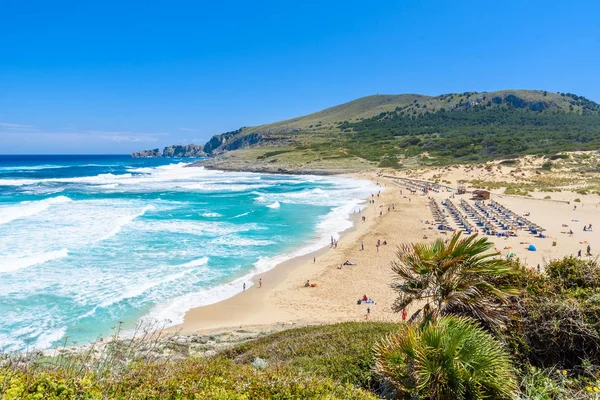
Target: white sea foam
{"x":167,"y":177}
{"x":28,"y":208}
{"x":242,"y":214}
{"x":274,"y":205}
{"x":32,"y":167}
{"x":195,"y":227}
{"x":195,"y":263}
{"x":14,"y":264}
{"x":124,"y":220}
{"x":237,"y":241}
{"x":211,"y":215}
{"x":173,"y":311}
{"x":45,"y":339}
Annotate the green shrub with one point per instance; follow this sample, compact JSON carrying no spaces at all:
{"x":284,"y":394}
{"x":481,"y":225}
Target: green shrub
{"x":343,"y":351}
{"x":577,"y":200}
{"x":570,"y":273}
{"x":555,"y":322}
{"x":451,"y":358}
{"x":516,"y":191}
{"x":550,"y":384}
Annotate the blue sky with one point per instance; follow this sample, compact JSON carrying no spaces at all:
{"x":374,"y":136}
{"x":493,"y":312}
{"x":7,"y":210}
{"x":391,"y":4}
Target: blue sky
{"x":117,"y":76}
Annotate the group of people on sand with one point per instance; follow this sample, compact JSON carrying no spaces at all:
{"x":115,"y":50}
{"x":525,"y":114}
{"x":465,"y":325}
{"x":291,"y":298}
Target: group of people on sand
{"x":588,"y":251}
{"x":365,"y":299}
{"x":334,"y":243}
{"x":379,"y":243}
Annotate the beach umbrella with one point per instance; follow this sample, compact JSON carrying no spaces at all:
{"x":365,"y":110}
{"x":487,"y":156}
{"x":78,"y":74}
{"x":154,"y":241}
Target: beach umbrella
{"x":531,"y":248}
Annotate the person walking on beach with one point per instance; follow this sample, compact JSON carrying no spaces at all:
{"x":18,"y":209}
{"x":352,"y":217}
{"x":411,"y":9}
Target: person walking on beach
{"x":579,"y":254}
{"x":314,"y":260}
{"x":259,"y":283}
{"x":244,"y":286}
{"x":404,"y":313}
{"x":362,"y":246}
{"x":589,"y":250}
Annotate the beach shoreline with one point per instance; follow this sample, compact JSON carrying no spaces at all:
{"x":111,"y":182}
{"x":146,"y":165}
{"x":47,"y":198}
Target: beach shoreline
{"x":283,"y":299}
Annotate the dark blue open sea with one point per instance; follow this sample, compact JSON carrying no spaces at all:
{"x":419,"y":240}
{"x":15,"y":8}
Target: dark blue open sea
{"x":88,"y":241}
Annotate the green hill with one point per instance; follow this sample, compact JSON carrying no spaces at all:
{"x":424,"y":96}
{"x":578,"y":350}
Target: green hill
{"x":389,"y":130}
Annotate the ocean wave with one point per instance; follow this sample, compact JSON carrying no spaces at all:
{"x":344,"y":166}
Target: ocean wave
{"x":274,"y":205}
{"x":15,"y":264}
{"x":173,"y":311}
{"x":33,"y":167}
{"x":237,"y":241}
{"x":29,"y":208}
{"x":195,"y":263}
{"x":199,"y":228}
{"x":211,"y":215}
{"x":141,"y":287}
{"x":45,"y":338}
{"x":126,"y":220}
{"x":242,"y":214}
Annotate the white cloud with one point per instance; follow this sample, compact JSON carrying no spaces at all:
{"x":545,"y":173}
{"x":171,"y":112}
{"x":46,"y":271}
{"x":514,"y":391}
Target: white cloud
{"x":11,"y":125}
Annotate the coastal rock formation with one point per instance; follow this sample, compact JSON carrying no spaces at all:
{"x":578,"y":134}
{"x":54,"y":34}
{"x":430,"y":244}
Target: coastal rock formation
{"x":177,"y":151}
{"x":231,"y":141}
{"x":147,"y":153}
{"x":189,"y":151}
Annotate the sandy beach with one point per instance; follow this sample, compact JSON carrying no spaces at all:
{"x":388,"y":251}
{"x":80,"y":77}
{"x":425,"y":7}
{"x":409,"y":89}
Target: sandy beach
{"x":283,"y":300}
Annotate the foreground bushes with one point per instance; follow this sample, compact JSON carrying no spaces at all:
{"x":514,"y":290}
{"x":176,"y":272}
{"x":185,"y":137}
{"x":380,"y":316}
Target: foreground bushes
{"x":451,"y":358}
{"x":555,"y":322}
{"x":192,"y":378}
{"x":318,"y":362}
{"x":552,"y":334}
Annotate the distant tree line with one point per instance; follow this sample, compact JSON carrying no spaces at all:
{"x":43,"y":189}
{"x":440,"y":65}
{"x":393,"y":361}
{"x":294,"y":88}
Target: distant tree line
{"x":498,"y":128}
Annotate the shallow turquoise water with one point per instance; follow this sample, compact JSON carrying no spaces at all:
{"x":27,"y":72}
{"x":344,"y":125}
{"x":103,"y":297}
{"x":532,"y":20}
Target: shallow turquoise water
{"x":88,"y":241}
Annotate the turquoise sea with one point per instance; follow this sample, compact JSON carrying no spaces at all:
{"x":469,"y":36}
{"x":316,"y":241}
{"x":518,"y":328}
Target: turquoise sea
{"x":88,"y":241}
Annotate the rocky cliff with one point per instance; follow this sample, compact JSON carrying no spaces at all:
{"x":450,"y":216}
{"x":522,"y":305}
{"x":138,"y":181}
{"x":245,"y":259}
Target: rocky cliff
{"x":231,"y":141}
{"x":189,"y":151}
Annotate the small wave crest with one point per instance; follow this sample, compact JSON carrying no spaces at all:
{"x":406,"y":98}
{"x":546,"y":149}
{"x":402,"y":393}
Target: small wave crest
{"x":15,"y":264}
{"x":211,"y":215}
{"x":29,"y":208}
{"x":274,"y":205}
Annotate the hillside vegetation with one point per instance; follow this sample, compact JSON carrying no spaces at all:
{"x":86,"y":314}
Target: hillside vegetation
{"x":388,"y":130}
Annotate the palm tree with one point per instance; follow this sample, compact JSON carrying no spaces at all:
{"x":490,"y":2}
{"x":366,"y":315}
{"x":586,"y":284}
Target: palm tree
{"x":451,"y":358}
{"x":457,"y":277}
